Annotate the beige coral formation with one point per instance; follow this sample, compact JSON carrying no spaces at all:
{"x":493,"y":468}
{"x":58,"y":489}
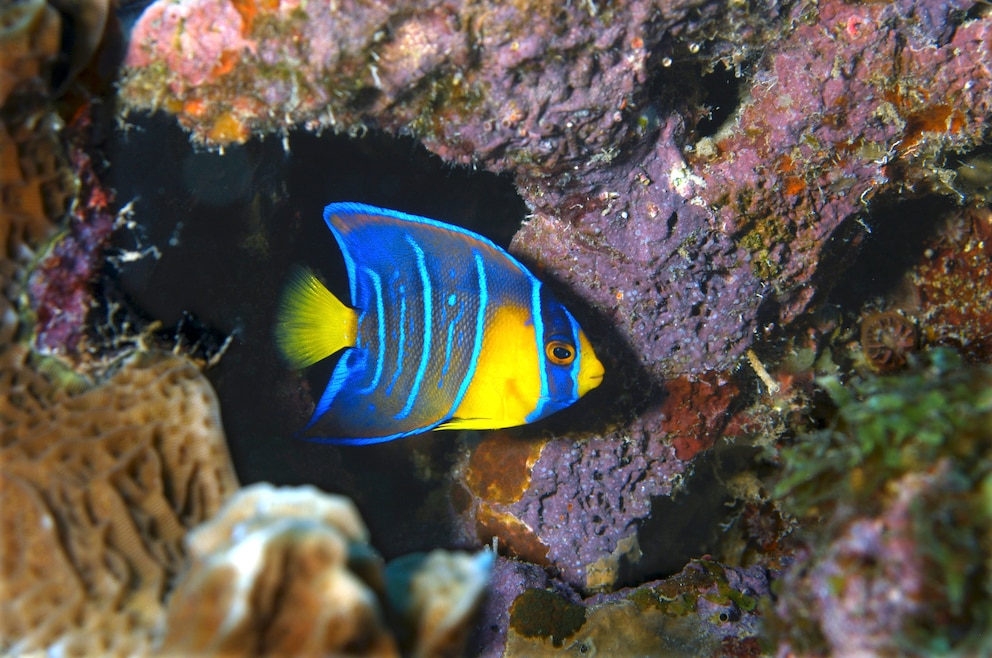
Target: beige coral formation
{"x":272,"y":576}
{"x":289,"y":572}
{"x":611,"y":629}
{"x":98,"y":490}
{"x":30,"y":32}
{"x":436,"y":596}
{"x":35,"y":182}
{"x":34,"y":187}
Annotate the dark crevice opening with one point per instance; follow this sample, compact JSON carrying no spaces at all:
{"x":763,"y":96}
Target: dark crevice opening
{"x":721,"y":98}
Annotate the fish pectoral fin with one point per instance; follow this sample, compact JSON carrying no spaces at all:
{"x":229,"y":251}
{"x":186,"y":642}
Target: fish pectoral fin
{"x":468,"y":424}
{"x":312,"y":324}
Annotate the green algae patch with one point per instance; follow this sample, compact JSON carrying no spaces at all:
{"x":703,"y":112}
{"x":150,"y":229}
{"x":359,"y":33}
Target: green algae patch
{"x":679,"y":595}
{"x":763,"y":242}
{"x":895,"y":492}
{"x":538,"y":613}
{"x":886,"y":427}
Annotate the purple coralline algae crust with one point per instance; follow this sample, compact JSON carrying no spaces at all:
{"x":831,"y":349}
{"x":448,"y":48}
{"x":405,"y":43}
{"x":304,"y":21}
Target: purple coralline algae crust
{"x":61,"y":285}
{"x":550,"y":93}
{"x":934,"y":19}
{"x":508,"y":580}
{"x":585,"y":498}
{"x":646,"y":252}
{"x":678,"y":240}
{"x":682,"y":253}
{"x":846,"y":108}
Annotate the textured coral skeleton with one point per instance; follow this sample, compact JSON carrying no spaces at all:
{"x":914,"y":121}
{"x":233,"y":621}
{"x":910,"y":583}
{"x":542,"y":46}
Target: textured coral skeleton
{"x":99,"y":490}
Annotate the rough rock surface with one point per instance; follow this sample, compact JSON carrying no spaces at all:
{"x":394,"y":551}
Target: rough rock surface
{"x":680,"y":240}
{"x":575,"y":506}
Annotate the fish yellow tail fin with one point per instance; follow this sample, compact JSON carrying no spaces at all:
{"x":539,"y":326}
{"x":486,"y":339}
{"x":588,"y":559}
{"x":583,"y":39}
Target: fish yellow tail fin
{"x":311,"y":323}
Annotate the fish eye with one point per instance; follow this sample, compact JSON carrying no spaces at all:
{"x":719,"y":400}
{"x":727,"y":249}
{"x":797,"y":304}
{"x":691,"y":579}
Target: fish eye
{"x":560,"y":352}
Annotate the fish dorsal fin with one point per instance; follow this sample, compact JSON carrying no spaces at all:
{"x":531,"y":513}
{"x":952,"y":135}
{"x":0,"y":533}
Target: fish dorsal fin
{"x":312,"y":324}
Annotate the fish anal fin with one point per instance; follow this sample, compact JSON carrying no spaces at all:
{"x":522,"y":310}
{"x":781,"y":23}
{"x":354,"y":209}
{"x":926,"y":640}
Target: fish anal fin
{"x":311,"y":323}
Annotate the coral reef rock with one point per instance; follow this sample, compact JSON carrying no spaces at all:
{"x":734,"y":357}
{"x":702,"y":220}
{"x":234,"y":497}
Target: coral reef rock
{"x":679,"y":233}
{"x":30,"y":31}
{"x":572,"y":505}
{"x":62,"y":286}
{"x":707,"y":609}
{"x":952,"y":283}
{"x":896,"y":496}
{"x":704,"y":610}
{"x":289,"y":572}
{"x":99,"y":488}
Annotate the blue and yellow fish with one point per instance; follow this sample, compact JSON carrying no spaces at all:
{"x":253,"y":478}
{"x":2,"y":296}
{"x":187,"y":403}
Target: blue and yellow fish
{"x":445,"y":331}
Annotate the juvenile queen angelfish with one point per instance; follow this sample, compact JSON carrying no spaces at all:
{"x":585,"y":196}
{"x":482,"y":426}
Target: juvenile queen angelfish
{"x":445,"y":331}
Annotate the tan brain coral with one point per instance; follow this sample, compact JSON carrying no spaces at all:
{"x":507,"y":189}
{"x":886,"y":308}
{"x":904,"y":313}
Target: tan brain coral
{"x":98,"y":491}
{"x":277,"y":574}
{"x":436,"y":596}
{"x":34,"y":180}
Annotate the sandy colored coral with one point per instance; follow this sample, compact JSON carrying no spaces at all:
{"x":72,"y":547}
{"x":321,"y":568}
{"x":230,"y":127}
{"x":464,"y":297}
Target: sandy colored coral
{"x":98,"y":490}
{"x":708,"y":609}
{"x":500,"y":467}
{"x":30,"y":31}
{"x":698,"y":612}
{"x":437,"y":595}
{"x":272,"y":575}
{"x":35,"y":188}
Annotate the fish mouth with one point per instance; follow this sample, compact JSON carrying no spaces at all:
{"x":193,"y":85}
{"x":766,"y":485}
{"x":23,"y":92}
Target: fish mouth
{"x":589,"y":383}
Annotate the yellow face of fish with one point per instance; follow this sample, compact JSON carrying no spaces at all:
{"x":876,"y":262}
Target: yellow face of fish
{"x":519,"y":378}
{"x":591,"y":371}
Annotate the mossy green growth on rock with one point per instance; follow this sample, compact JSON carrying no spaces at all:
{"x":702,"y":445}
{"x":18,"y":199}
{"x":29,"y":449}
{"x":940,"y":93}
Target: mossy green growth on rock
{"x":764,"y":241}
{"x":889,"y":426}
{"x":679,"y":595}
{"x":897,"y":499}
{"x":540,"y":613}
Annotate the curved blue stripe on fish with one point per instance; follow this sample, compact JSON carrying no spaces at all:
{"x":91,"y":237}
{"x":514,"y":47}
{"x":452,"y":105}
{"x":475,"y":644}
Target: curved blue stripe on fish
{"x":480,"y":325}
{"x":354,"y":208}
{"x":573,"y":372}
{"x":449,"y":344}
{"x":426,"y":330}
{"x":342,"y":372}
{"x":380,"y":315}
{"x":538,"y":320}
{"x":349,"y":262}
